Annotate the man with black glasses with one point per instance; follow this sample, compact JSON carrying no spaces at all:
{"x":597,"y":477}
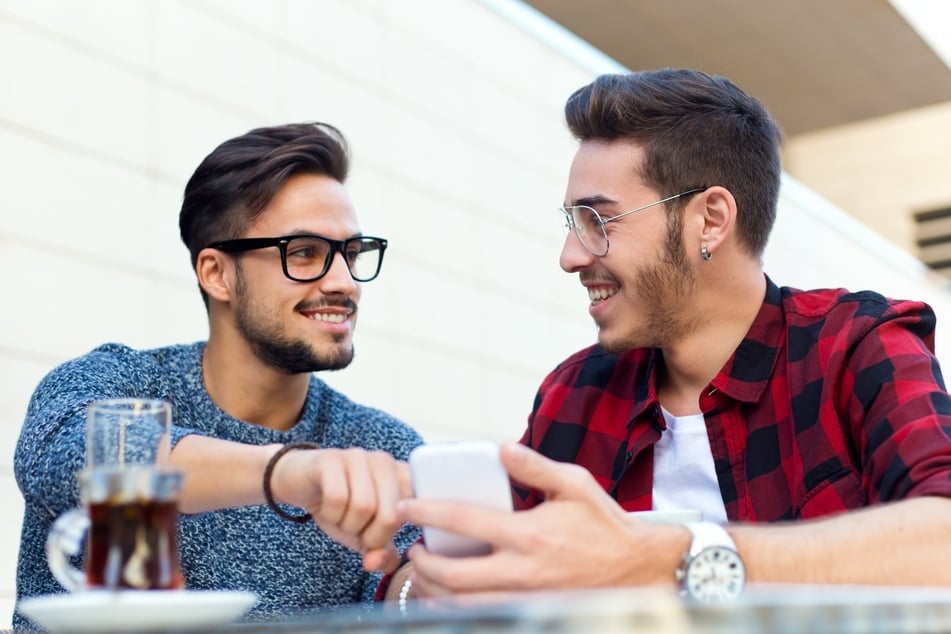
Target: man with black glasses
{"x":811,"y":428}
{"x":280,"y":259}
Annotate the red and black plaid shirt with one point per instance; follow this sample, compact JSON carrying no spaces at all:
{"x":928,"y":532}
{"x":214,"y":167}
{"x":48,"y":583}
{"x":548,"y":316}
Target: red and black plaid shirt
{"x":834,"y":400}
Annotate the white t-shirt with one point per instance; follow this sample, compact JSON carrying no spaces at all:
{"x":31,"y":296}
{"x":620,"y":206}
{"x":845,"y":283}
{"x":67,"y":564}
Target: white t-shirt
{"x":684,"y":475}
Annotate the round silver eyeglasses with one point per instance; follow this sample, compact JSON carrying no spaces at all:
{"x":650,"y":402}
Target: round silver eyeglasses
{"x":589,"y":224}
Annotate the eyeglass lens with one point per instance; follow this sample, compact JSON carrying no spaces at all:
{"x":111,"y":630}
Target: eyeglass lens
{"x":589,"y":228}
{"x":309,"y":258}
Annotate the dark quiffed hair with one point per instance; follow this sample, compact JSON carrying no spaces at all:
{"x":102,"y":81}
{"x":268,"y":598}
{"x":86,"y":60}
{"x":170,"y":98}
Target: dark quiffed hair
{"x":695,"y":130}
{"x":233,"y":185}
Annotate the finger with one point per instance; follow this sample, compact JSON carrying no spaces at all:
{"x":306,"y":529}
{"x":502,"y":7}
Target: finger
{"x":499,"y":528}
{"x":362,"y":503}
{"x":334,"y":488}
{"x":425,"y":588}
{"x":405,"y":480}
{"x":385,"y":521}
{"x":424,"y":585}
{"x":553,"y":479}
{"x":438,"y":575}
{"x":384,"y":560}
{"x":334,"y":532}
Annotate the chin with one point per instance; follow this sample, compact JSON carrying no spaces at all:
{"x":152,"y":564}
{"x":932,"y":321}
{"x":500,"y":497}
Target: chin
{"x":616,"y":344}
{"x":338,"y":361}
{"x":610,"y":344}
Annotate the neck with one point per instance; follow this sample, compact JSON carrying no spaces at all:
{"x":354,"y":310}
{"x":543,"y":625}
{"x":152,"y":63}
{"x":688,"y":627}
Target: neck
{"x":729,"y":306}
{"x":248,"y":389}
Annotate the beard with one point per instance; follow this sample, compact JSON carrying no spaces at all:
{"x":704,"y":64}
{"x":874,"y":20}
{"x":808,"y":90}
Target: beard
{"x":264,"y":332}
{"x":662,"y":289}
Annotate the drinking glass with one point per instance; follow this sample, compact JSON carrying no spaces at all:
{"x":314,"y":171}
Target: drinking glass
{"x":129,"y":495}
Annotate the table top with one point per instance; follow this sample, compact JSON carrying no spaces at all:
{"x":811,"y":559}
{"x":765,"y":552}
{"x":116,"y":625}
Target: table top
{"x":763,"y":609}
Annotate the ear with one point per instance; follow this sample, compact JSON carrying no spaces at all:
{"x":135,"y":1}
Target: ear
{"x":718,"y":217}
{"x":215,"y":274}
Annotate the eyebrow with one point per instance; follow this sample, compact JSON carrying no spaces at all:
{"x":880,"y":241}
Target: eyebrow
{"x":305,"y":232}
{"x":591,"y":201}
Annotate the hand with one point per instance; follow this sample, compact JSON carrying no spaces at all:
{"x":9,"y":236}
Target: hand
{"x":352,"y":495}
{"x":578,"y":537}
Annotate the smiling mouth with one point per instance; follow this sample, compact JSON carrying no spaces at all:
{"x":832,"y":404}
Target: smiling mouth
{"x":600,"y":294}
{"x":333,"y":318}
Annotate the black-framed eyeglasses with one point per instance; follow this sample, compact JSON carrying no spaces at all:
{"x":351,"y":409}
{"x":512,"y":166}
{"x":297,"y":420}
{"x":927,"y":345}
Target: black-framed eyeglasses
{"x":589,"y":225}
{"x":307,"y":257}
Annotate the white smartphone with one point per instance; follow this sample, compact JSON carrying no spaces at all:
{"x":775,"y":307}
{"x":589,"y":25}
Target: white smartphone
{"x":465,"y":471}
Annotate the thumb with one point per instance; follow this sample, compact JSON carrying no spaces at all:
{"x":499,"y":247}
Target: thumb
{"x":381,"y":559}
{"x":554,"y":479}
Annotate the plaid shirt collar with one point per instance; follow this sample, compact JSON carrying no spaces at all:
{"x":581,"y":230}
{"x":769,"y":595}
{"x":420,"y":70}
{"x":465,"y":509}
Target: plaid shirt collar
{"x":745,"y":376}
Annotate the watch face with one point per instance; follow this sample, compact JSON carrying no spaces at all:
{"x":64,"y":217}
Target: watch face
{"x":715,"y":575}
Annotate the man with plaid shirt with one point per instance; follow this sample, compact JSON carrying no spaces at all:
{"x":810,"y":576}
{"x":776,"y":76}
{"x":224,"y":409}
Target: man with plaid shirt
{"x":814,"y":426}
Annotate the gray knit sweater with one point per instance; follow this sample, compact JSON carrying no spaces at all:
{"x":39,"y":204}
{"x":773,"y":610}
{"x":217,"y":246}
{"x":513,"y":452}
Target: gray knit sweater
{"x":292,"y":567}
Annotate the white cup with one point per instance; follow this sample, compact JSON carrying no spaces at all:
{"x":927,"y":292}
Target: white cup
{"x":678,"y":516}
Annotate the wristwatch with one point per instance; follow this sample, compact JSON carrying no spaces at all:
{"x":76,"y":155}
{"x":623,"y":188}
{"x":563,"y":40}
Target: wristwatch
{"x":712,"y":571}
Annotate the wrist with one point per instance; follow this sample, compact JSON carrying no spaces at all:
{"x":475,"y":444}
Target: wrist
{"x":397,"y":580}
{"x":279,"y":458}
{"x":712,"y":570}
{"x":676,"y":545}
{"x":662,"y":548}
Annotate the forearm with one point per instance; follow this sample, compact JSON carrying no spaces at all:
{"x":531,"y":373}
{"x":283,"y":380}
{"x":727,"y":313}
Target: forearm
{"x":901,"y":543}
{"x":220,"y":473}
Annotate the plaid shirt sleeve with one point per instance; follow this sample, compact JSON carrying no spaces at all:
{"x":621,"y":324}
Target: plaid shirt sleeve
{"x":892,"y":398}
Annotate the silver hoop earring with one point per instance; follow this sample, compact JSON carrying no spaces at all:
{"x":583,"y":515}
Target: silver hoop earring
{"x":705,"y":254}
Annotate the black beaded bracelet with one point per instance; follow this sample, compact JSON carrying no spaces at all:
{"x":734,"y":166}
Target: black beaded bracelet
{"x":269,"y":469}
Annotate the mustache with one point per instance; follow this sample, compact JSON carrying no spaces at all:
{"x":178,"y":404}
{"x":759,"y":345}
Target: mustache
{"x":589,"y":278}
{"x":346,"y":303}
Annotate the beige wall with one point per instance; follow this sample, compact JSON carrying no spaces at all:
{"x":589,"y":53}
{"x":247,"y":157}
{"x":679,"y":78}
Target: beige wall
{"x":880,"y":171}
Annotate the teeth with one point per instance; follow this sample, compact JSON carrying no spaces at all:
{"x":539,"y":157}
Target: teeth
{"x":596,"y":294}
{"x":334,"y":318}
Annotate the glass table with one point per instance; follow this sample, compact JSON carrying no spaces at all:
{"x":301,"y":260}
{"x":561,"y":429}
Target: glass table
{"x":763,"y":609}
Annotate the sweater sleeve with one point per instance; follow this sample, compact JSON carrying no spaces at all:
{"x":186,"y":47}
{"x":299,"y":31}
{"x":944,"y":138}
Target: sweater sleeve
{"x":52,"y":445}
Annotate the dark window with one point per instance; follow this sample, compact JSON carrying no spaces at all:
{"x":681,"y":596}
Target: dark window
{"x":933,"y":236}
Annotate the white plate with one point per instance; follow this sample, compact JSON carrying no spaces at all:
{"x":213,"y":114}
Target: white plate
{"x":136,"y":610}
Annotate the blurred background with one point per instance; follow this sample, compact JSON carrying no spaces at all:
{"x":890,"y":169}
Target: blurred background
{"x":454,"y":112}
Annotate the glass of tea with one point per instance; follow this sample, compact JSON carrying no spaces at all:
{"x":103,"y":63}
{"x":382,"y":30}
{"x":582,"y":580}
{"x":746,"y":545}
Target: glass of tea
{"x":129,"y":494}
{"x":128,"y":431}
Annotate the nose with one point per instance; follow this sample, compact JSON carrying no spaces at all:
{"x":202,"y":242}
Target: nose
{"x":574,"y":255}
{"x":338,"y":278}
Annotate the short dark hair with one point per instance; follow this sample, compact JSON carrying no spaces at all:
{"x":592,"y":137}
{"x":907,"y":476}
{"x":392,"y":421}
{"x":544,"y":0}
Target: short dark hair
{"x":233,"y":184}
{"x":696,"y":130}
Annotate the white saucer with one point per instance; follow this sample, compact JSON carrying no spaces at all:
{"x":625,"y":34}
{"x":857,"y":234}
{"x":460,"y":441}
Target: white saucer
{"x":128,"y":610}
